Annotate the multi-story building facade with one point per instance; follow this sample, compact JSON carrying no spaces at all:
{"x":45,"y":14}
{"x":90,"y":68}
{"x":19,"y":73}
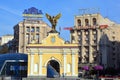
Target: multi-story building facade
{"x":5,"y":39}
{"x":31,"y":29}
{"x":95,"y":35}
{"x":110,"y":46}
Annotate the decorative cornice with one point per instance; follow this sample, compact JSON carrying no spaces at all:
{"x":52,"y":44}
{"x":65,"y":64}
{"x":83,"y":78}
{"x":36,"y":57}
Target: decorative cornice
{"x":51,"y":47}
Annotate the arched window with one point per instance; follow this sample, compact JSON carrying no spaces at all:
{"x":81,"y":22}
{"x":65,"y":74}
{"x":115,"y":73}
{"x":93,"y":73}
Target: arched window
{"x":94,"y":21}
{"x":79,"y":22}
{"x":86,"y":22}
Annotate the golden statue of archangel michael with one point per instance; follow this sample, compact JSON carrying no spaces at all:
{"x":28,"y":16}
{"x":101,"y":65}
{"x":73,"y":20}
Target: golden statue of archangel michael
{"x":53,"y":20}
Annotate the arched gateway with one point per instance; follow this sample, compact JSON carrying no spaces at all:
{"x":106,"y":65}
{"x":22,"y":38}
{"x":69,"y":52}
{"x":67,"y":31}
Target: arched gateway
{"x":53,"y":69}
{"x":53,"y":52}
{"x":55,"y":65}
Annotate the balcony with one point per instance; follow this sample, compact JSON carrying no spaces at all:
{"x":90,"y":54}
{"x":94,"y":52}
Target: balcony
{"x":86,"y":44}
{"x":86,"y":58}
{"x":86,"y":38}
{"x":85,"y":64}
{"x":94,"y":32}
{"x":79,"y":39}
{"x":87,"y":27}
{"x":95,"y":53}
{"x":80,"y":43}
{"x":94,"y":44}
{"x":86,"y":55}
{"x":94,"y":38}
{"x":79,"y":33}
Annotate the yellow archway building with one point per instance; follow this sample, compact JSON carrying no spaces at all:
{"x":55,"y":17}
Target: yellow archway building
{"x":52,"y":49}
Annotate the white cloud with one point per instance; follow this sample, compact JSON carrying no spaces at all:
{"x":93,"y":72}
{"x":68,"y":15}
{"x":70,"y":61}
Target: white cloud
{"x":11,"y":11}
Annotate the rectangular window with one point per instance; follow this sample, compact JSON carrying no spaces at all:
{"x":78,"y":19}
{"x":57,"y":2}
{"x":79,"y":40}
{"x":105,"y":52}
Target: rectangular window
{"x":86,"y":37}
{"x":27,"y":38}
{"x":73,"y":38}
{"x":37,"y":38}
{"x":94,"y":41}
{"x":86,"y":32}
{"x":113,"y":38}
{"x":32,"y":37}
{"x":113,"y":32}
{"x":94,"y":32}
{"x":28,"y":29}
{"x":79,"y":39}
{"x":79,"y":33}
{"x":86,"y":42}
{"x":37,"y":29}
{"x":94,"y":37}
{"x":32,"y":29}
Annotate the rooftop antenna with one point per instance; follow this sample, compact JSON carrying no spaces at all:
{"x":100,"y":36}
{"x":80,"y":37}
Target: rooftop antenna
{"x":107,"y":11}
{"x":82,"y":11}
{"x":89,"y":11}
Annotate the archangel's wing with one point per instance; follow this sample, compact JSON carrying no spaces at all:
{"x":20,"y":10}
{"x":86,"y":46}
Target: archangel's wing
{"x":48,"y":17}
{"x":58,"y":16}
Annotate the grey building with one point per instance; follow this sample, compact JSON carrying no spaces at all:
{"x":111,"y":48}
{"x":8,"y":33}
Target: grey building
{"x":96,"y":36}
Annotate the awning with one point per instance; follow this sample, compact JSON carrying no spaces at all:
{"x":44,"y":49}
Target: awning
{"x":98,"y":67}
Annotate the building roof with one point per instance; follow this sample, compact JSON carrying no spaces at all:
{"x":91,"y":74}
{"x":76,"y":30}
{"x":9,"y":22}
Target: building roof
{"x":12,"y":56}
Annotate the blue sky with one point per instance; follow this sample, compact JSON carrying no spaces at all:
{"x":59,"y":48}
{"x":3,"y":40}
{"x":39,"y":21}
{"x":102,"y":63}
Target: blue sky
{"x":11,"y":11}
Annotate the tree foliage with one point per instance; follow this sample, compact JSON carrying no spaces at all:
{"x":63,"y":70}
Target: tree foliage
{"x":4,"y":49}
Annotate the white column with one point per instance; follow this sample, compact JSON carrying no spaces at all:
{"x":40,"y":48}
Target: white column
{"x":32,"y":64}
{"x":64,"y":55}
{"x":73,"y":64}
{"x":40,"y":64}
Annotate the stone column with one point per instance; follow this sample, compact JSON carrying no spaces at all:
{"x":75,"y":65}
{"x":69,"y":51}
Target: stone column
{"x":73,"y":63}
{"x":64,"y":57}
{"x":31,"y":63}
{"x":40,"y":63}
